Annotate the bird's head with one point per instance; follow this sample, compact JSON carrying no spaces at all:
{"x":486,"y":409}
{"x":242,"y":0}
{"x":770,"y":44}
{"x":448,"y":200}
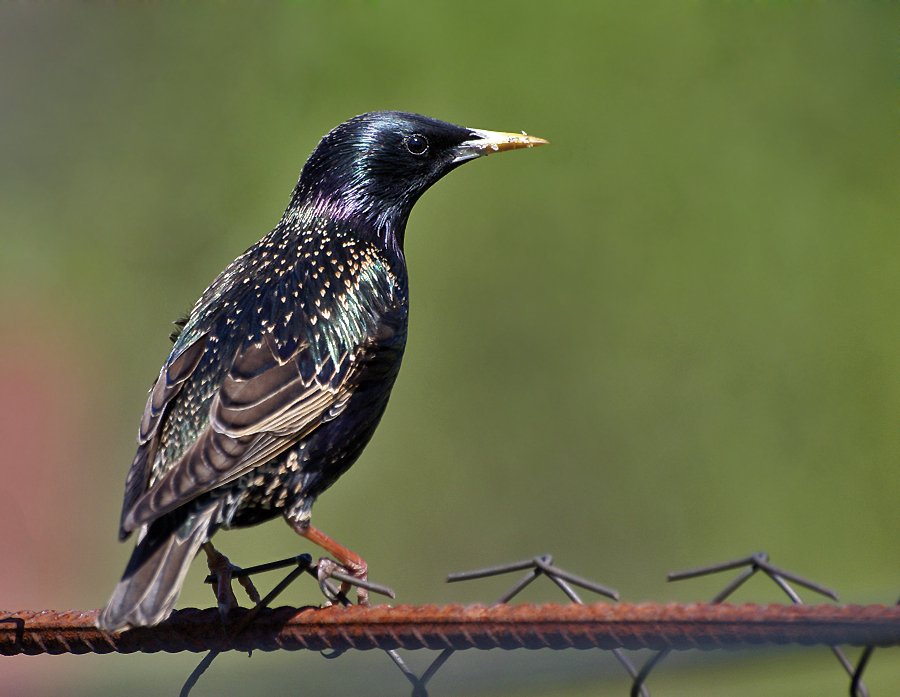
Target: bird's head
{"x":373,"y":168}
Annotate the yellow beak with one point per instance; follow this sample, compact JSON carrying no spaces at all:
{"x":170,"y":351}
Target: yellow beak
{"x":487,"y":142}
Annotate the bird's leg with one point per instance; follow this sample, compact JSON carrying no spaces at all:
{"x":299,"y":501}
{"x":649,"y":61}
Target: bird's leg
{"x":350,"y":560}
{"x":223,"y":569}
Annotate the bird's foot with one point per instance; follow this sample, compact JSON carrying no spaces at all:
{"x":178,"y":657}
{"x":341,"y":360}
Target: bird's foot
{"x":224,"y":571}
{"x":356,"y":571}
{"x":349,"y":565}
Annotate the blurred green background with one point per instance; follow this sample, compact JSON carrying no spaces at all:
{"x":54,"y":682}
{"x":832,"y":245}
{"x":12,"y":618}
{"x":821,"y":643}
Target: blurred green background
{"x":668,"y":339}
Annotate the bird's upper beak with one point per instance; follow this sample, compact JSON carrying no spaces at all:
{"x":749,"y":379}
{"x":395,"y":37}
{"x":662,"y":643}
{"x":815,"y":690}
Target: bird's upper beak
{"x":487,"y":142}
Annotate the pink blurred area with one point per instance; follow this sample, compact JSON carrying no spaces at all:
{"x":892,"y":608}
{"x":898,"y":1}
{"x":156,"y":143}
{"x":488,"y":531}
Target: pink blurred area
{"x":46,"y":477}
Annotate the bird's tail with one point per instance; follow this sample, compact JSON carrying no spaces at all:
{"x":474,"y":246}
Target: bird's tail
{"x":152,"y":580}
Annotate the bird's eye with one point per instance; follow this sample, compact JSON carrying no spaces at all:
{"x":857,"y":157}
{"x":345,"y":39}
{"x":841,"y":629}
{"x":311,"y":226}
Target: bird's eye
{"x":417,"y":144}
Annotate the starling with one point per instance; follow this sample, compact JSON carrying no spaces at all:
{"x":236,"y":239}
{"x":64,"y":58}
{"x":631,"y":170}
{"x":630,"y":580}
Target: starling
{"x":280,"y":374}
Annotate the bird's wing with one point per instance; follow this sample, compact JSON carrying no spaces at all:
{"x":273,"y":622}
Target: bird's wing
{"x":167,"y":387}
{"x":263,"y":406}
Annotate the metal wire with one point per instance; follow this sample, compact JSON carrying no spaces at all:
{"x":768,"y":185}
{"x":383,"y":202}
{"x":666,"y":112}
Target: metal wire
{"x":334,"y":630}
{"x":754,"y":563}
{"x":646,"y":625}
{"x":541,"y":565}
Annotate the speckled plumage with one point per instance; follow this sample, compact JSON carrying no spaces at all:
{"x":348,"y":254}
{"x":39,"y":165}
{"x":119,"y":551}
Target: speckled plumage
{"x":284,"y":366}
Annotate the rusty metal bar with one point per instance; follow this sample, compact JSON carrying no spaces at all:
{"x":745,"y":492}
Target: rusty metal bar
{"x":629,"y":626}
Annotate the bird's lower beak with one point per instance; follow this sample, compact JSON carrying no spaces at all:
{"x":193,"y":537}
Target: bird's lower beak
{"x":487,"y":142}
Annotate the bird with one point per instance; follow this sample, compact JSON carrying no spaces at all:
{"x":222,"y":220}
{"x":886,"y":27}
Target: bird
{"x":280,"y":373}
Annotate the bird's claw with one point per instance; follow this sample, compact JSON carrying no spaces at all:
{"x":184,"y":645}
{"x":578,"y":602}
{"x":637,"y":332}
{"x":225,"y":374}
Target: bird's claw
{"x":325,"y":570}
{"x":249,"y":588}
{"x":222,"y":568}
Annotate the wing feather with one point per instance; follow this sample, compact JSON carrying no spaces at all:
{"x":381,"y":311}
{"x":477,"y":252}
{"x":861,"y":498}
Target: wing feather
{"x":168,"y":385}
{"x":262,"y":408}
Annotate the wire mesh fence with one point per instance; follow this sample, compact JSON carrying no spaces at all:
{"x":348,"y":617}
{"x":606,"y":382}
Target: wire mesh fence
{"x":620,"y":628}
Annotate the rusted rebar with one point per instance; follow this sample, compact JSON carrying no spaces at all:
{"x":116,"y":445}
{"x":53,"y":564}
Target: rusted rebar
{"x":629,"y":626}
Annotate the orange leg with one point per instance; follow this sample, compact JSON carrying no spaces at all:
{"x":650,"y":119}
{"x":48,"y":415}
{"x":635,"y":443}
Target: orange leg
{"x":350,"y":560}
